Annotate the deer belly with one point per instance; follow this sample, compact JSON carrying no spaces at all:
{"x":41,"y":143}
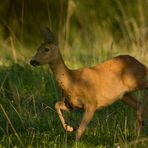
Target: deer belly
{"x":110,"y":95}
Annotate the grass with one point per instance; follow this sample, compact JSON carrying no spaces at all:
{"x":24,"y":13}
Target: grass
{"x":28,"y":118}
{"x":28,"y":95}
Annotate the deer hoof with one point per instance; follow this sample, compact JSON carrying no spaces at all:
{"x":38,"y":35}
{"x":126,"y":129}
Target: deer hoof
{"x":68,"y":128}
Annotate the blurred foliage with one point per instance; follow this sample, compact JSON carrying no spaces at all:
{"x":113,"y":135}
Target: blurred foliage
{"x":23,"y":19}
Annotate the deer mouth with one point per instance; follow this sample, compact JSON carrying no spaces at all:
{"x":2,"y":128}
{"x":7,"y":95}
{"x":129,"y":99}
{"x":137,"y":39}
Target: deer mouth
{"x":34,"y":63}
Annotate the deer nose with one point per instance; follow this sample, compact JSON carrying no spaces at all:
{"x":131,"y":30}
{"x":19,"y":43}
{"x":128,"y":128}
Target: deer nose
{"x":34,"y":63}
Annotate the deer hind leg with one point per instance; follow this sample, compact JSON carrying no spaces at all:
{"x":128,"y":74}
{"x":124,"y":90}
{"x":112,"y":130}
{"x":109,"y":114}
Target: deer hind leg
{"x":136,"y":105}
{"x":143,"y":110}
{"x":131,"y":101}
{"x":88,"y":114}
{"x":60,"y":105}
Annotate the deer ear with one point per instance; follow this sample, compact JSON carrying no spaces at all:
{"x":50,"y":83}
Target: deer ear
{"x":48,"y":36}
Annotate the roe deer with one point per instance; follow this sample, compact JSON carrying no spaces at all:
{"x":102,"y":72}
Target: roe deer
{"x":92,"y":88}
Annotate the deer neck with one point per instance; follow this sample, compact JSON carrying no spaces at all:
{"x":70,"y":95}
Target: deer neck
{"x":61,"y":72}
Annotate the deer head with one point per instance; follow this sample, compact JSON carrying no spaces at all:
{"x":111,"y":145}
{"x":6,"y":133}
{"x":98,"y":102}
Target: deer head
{"x":47,"y":51}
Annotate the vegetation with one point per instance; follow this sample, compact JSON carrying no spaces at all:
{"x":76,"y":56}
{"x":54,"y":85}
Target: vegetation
{"x":89,"y":33}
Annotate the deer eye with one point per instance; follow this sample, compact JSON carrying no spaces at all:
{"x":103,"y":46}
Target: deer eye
{"x":46,"y":49}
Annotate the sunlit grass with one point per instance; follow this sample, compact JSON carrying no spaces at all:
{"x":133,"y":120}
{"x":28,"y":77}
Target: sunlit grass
{"x":88,"y":34}
{"x":28,"y":118}
{"x":28,"y":95}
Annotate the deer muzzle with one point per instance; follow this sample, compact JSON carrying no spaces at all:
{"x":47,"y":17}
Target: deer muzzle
{"x":34,"y":63}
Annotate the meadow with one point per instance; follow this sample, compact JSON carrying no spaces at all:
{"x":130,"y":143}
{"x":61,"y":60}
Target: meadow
{"x":92,"y":34}
{"x":28,"y":117}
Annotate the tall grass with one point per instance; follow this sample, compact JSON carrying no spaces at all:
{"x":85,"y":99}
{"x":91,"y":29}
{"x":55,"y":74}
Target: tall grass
{"x":28,"y":118}
{"x":28,"y":95}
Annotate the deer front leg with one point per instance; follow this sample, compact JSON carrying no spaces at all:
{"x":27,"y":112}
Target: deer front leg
{"x":60,"y":105}
{"x":89,"y":112}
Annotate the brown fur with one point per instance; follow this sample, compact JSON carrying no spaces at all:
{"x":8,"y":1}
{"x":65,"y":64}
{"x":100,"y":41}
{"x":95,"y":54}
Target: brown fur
{"x":92,"y":88}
